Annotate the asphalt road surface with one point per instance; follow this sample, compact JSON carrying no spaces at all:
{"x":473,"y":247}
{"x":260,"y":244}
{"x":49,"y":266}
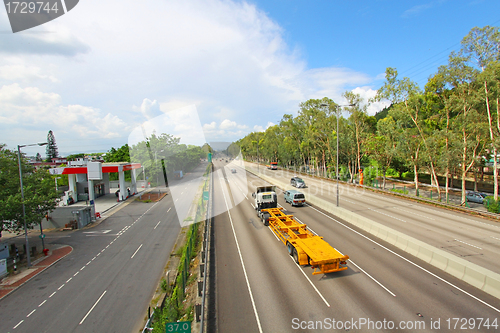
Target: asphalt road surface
{"x":259,"y":288}
{"x":108,"y":280}
{"x":472,"y":238}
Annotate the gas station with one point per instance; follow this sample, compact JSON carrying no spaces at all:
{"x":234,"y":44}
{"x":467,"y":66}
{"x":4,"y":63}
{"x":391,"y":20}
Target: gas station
{"x":92,"y":178}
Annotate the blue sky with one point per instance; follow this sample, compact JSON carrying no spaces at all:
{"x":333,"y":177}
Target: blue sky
{"x":413,"y":36}
{"x":95,"y":74}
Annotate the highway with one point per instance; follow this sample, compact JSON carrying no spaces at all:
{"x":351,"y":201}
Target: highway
{"x":472,"y":238}
{"x":107,"y":282}
{"x":259,"y":288}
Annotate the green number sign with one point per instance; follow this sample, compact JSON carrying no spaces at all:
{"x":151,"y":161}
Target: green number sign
{"x":178,"y":327}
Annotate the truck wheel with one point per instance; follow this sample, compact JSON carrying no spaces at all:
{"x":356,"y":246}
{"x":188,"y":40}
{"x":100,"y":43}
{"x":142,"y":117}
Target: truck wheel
{"x":265,"y":219}
{"x":296,"y":256}
{"x":290,"y":248}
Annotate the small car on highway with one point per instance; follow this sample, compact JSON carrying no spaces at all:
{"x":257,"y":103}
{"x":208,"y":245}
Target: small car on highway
{"x":297,"y":182}
{"x":295,"y":198}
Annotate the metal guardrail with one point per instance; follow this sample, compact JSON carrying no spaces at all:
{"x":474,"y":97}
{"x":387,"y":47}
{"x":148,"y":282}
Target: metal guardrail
{"x":207,"y":240}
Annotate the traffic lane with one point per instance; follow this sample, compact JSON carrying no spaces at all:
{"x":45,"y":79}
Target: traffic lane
{"x":103,"y":280}
{"x":235,"y":312}
{"x":130,"y":292}
{"x":418,"y":290}
{"x":396,"y":270}
{"x":38,"y":290}
{"x":280,"y":267}
{"x":75,"y":293}
{"x":472,"y":238}
{"x":327,"y":189}
{"x":274,"y":281}
{"x":467,"y":242}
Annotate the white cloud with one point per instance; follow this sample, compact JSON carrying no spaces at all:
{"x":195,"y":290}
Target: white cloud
{"x":149,"y":109}
{"x":23,"y":73}
{"x":227,"y":58}
{"x":367,"y":93}
{"x":416,"y":10}
{"x":32,"y":108}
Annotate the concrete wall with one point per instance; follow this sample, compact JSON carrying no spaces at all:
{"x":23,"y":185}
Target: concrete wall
{"x":471,"y":273}
{"x":63,"y":215}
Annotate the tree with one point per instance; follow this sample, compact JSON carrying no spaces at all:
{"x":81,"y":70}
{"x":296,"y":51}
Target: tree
{"x":51,"y":149}
{"x":482,"y":45}
{"x":39,"y":193}
{"x":38,"y":157}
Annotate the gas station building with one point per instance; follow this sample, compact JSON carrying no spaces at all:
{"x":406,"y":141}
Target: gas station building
{"x":93,"y":178}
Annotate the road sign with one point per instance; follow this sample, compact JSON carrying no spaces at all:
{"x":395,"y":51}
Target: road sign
{"x":178,"y":327}
{"x":42,"y":236}
{"x":205,"y":195}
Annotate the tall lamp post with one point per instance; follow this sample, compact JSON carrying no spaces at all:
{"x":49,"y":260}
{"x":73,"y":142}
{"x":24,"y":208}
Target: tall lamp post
{"x":22,"y":196}
{"x":337,"y":108}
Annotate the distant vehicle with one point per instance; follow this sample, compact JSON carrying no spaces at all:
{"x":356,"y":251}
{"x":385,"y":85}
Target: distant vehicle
{"x":233,"y":170}
{"x":476,"y":197}
{"x":295,"y":198}
{"x":273,"y":166}
{"x":297,"y":182}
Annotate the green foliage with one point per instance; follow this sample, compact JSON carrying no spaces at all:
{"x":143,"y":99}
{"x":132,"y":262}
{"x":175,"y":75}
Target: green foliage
{"x":164,"y":285}
{"x":51,"y":149}
{"x":39,"y":192}
{"x":161,"y":155}
{"x":399,"y":191}
{"x":369,"y":174}
{"x":491,"y":204}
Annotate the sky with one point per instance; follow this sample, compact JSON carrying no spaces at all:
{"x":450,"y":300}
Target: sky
{"x":216,"y":69}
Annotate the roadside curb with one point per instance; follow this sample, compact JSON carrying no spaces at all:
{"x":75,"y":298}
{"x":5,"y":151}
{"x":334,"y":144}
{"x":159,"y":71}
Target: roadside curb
{"x":7,"y":288}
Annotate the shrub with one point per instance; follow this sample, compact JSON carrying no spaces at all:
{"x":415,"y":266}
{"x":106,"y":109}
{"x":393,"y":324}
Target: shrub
{"x":491,"y":204}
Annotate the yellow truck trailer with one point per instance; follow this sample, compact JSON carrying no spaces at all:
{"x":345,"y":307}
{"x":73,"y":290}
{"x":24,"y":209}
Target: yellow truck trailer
{"x":305,"y":247}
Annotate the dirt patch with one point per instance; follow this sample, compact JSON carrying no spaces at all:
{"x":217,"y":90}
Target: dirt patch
{"x":151,"y":196}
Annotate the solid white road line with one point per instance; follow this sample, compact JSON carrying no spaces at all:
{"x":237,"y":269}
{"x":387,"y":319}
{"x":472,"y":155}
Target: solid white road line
{"x":411,"y":262}
{"x":18,"y":324}
{"x":92,"y":308}
{"x":371,"y":277}
{"x":312,"y":284}
{"x":136,"y":252}
{"x":241,"y":258}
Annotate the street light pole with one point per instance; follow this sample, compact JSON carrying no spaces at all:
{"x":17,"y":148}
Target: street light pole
{"x":22,"y":198}
{"x":337,"y":108}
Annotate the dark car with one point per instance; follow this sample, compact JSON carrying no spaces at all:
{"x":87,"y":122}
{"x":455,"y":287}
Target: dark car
{"x":297,"y":182}
{"x":476,"y":197}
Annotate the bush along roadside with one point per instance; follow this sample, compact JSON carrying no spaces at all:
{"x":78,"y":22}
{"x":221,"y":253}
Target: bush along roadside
{"x":176,"y":306}
{"x":491,"y":204}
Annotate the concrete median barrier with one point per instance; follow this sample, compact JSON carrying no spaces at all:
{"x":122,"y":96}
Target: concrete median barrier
{"x":475,"y":275}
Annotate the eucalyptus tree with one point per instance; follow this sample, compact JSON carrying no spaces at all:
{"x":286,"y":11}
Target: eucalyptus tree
{"x":482,"y":48}
{"x":292,"y":131}
{"x":382,"y":145}
{"x":460,"y":78}
{"x":413,"y":104}
{"x":270,"y":143}
{"x":358,"y":119}
{"x":318,"y":124}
